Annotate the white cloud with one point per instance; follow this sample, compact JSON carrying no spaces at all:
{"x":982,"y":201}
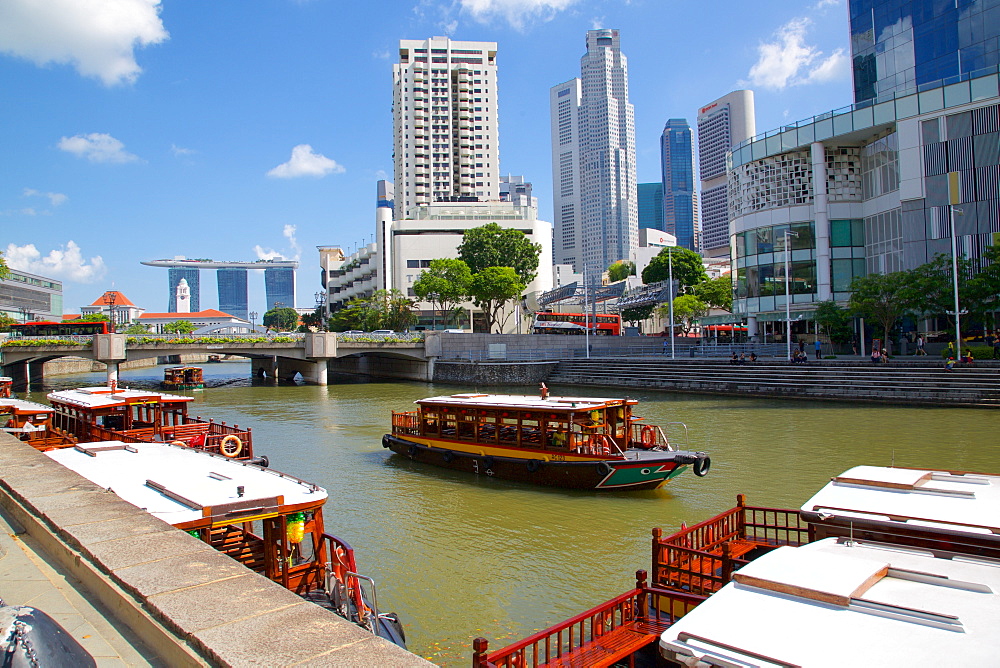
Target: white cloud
{"x":98,"y":37}
{"x":66,"y":263}
{"x":823,"y":4}
{"x":97,"y":147}
{"x":267,"y":253}
{"x":789,"y":61}
{"x":515,"y":12}
{"x":289,"y":233}
{"x":54,"y":198}
{"x":181,"y":151}
{"x":305,"y":163}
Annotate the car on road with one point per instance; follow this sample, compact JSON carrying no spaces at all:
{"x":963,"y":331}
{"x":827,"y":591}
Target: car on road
{"x":385,"y":332}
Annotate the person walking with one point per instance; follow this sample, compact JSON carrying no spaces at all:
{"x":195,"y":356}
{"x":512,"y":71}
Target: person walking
{"x":996,"y":347}
{"x":819,"y":347}
{"x":920,"y":345}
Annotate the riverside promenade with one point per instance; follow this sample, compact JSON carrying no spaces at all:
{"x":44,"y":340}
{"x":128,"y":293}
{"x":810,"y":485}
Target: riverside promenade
{"x":903,"y":381}
{"x":135,"y":591}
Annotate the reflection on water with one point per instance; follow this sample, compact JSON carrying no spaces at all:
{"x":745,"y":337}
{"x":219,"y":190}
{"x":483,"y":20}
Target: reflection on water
{"x":458,"y":556}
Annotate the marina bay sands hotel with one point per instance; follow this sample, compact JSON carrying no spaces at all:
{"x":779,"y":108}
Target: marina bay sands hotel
{"x":279,"y":282}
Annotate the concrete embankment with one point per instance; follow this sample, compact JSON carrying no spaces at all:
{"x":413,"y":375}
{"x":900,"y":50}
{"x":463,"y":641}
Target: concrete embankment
{"x":900,"y":382}
{"x":190,"y":604}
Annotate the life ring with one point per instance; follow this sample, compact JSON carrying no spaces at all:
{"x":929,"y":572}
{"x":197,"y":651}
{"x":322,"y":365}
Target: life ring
{"x":180,"y":443}
{"x":228,"y":450}
{"x":448,"y":456}
{"x":702,"y":465}
{"x":648,"y":436}
{"x":603,"y":468}
{"x":534,"y":465}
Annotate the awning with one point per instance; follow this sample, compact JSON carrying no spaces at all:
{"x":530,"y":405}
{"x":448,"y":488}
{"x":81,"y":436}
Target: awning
{"x":779,"y":316}
{"x":725,"y":319}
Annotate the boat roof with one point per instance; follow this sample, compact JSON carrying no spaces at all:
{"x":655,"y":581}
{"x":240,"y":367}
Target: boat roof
{"x":922,"y":498}
{"x":104,"y":397}
{"x":21,"y":406}
{"x":177,"y":483}
{"x":834,"y":602}
{"x":524,"y":402}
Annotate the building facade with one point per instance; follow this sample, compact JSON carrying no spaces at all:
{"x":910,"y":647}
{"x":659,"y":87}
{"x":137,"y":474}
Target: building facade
{"x":597,"y":160}
{"x":650,"y":196}
{"x":193,"y":277}
{"x":721,"y":125}
{"x":279,"y":287}
{"x":445,"y":122}
{"x":677,"y":172}
{"x":25,"y":296}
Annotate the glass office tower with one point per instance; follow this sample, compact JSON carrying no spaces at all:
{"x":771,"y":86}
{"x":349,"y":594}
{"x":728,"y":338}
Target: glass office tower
{"x":900,"y":47}
{"x":233,"y":292}
{"x":677,"y":165}
{"x":279,"y":286}
{"x":651,"y":205}
{"x":193,"y":278}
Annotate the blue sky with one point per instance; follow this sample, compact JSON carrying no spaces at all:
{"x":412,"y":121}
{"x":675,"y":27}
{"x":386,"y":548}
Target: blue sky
{"x":134,"y":130}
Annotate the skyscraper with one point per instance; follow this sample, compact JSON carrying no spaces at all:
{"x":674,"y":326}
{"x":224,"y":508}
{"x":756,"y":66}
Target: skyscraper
{"x":445,"y":122}
{"x":897,"y":47}
{"x":602,"y":174}
{"x":193,"y":278}
{"x":650,"y":205}
{"x":677,"y":165}
{"x":721,"y":125}
{"x":279,"y":287}
{"x":232,"y":284}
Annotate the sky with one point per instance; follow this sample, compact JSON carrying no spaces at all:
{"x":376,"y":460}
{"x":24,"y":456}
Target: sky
{"x":134,"y":130}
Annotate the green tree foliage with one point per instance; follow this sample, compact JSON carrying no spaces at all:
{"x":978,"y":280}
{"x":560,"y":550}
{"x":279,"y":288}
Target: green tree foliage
{"x":282,"y":319}
{"x":835,"y":321}
{"x":92,"y":317}
{"x":984,"y":287}
{"x":385,"y":309}
{"x":687,"y":309}
{"x":445,"y":284}
{"x":495,"y":246}
{"x":5,"y":322}
{"x":312,"y":321}
{"x":4,"y":271}
{"x":621,"y":270}
{"x":687,"y":267}
{"x":137,"y":329}
{"x":492,"y":288}
{"x":882,"y":298}
{"x":637,"y":313}
{"x":931,"y":289}
{"x":716,"y":292}
{"x":179,"y":327}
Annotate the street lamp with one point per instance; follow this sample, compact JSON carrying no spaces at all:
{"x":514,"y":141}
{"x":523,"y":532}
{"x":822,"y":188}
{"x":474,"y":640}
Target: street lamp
{"x":953,"y":199}
{"x":670,"y":270}
{"x":321,"y":302}
{"x":253,"y":318}
{"x":109,"y":298}
{"x":788,"y":299}
{"x":24,"y":313}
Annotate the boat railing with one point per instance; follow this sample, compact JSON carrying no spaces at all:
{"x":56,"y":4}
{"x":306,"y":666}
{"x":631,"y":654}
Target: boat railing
{"x":702,"y":558}
{"x":406,"y":422}
{"x":214,"y":432}
{"x":642,"y":613}
{"x":657,"y":436}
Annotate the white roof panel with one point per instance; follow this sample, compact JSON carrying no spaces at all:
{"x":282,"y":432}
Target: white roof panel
{"x":102,"y":397}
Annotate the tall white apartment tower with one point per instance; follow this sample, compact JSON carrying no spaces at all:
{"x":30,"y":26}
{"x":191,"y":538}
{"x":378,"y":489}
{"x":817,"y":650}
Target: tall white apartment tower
{"x":445,"y":123}
{"x":567,"y":217}
{"x":722,"y":124}
{"x":605,"y":200}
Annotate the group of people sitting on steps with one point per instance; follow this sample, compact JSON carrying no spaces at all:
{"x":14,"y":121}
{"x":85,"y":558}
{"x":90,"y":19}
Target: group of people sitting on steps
{"x":742,"y":358}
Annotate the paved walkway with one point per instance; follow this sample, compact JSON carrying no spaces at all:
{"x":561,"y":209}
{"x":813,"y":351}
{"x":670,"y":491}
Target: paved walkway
{"x":29,"y":577}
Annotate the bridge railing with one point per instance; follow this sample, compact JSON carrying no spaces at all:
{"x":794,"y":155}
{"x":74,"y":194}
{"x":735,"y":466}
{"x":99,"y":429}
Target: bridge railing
{"x":381,"y":337}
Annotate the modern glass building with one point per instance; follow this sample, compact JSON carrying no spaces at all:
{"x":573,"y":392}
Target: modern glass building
{"x":233,"y":292}
{"x":25,"y":296}
{"x":651,"y":206}
{"x":193,"y":278}
{"x":899,"y":47}
{"x":677,"y":167}
{"x":279,"y":287}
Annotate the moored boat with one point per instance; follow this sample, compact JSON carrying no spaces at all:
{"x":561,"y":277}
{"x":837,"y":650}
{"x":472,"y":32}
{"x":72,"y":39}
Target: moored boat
{"x":574,"y":442}
{"x":32,"y":423}
{"x":144,"y":416}
{"x":269,"y":521}
{"x":183,"y":378}
{"x":6,"y":387}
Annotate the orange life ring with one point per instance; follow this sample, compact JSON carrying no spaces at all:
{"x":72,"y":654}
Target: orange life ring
{"x":228,"y":450}
{"x":649,"y":436}
{"x":181,"y":443}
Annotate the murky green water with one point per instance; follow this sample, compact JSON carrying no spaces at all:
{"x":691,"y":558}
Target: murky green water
{"x":458,"y":557}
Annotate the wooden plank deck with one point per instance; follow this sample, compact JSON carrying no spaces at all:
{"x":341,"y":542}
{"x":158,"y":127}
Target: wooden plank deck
{"x":611,"y":647}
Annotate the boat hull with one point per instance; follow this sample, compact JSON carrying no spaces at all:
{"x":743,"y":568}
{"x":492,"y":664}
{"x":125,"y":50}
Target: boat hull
{"x":648,"y":470}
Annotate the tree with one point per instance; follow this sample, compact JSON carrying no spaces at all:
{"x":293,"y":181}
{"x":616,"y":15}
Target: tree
{"x":282,"y":319}
{"x":931,"y":288}
{"x":637,"y":313}
{"x":392,"y":310}
{"x":495,"y":246}
{"x":716,"y":292}
{"x":688,"y":269}
{"x":352,"y":316}
{"x":179,"y":327}
{"x":4,"y":271}
{"x":882,"y":298}
{"x":136,"y":329}
{"x":984,"y":287}
{"x":687,"y":309}
{"x":312,"y":320}
{"x":92,"y":317}
{"x":621,"y":270}
{"x":492,"y":288}
{"x":835,"y":321}
{"x":445,"y":284}
{"x":5,"y":322}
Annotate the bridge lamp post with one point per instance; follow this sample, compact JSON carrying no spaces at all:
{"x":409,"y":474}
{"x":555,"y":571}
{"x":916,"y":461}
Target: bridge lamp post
{"x":321,"y":301}
{"x":109,"y":300}
{"x":253,"y":318}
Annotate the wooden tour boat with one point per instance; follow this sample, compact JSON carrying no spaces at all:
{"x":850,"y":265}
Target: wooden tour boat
{"x":575,"y":442}
{"x":183,"y":378}
{"x":144,"y":416}
{"x":269,"y":521}
{"x":32,"y":423}
{"x":6,"y":387}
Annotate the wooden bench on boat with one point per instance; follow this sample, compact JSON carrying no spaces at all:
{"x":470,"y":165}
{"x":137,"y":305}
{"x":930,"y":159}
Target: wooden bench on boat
{"x":701,"y":559}
{"x":611,"y":633}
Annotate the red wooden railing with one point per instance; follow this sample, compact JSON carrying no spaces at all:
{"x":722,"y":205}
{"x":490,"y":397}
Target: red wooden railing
{"x":701,"y":559}
{"x":214,"y":433}
{"x":644,"y":604}
{"x":405,"y":422}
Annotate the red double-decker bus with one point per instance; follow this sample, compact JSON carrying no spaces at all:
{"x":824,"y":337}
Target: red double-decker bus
{"x":607,"y":324}
{"x":52,"y":328}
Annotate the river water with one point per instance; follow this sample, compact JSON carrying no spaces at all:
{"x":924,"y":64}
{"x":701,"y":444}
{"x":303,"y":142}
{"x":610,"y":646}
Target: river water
{"x":459,"y":557}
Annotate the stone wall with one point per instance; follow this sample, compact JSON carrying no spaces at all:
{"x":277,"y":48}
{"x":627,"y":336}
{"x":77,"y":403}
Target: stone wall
{"x":380,"y":366}
{"x":493,"y":373}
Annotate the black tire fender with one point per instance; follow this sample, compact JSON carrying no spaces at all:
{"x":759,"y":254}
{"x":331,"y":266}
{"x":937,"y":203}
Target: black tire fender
{"x":603,"y":468}
{"x":412,"y":451}
{"x":702,"y":466}
{"x":534,"y":465}
{"x":385,"y":441}
{"x":448,"y":456}
{"x":488,"y":462}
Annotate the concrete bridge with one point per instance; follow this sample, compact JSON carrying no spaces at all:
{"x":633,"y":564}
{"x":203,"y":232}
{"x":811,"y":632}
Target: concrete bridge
{"x":310,"y":355}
